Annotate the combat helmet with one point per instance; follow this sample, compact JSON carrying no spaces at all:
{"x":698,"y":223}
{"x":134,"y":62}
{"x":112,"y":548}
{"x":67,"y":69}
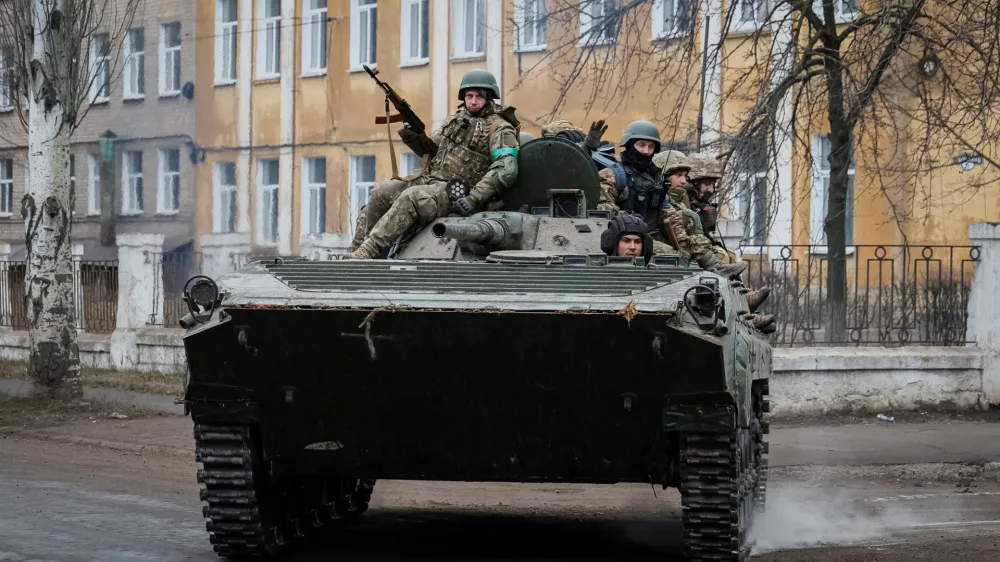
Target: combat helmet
{"x":704,"y":166}
{"x":553,"y":128}
{"x":524,"y":137}
{"x":479,"y":78}
{"x":671,"y":161}
{"x":645,"y":130}
{"x":622,"y":224}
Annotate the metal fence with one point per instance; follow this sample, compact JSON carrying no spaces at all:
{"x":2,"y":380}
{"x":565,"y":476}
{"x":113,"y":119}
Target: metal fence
{"x":99,"y":288}
{"x":896,"y":295}
{"x":14,"y":310}
{"x":171,"y":271}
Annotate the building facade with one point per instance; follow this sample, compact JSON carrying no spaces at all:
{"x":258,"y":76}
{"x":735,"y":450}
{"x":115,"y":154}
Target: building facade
{"x":288,"y":149}
{"x":141,"y":96}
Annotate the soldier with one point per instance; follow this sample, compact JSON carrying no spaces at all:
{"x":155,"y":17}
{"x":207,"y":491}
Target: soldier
{"x":476,"y":150}
{"x":626,"y":235}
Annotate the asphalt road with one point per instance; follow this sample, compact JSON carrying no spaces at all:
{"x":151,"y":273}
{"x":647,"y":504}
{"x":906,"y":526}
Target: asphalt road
{"x":63,"y":502}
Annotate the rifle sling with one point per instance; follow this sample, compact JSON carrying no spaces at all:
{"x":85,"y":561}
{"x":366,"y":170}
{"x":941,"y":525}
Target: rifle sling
{"x":392,"y":150}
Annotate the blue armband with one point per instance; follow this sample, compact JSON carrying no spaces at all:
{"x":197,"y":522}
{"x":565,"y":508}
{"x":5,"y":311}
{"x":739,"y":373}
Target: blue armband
{"x":503,"y":152}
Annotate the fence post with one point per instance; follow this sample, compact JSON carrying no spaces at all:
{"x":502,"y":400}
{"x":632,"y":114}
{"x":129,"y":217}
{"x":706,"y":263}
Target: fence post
{"x":78,"y":285}
{"x":136,"y":274}
{"x":984,"y":306}
{"x":6,"y":310}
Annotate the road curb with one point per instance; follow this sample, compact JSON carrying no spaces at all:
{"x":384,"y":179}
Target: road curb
{"x":105,"y":444}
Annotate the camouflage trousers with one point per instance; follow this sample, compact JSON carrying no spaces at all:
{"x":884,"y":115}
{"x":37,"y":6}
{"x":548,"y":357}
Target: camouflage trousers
{"x":379,"y":201}
{"x":725,"y":256}
{"x":416,"y":205}
{"x":660,"y":246}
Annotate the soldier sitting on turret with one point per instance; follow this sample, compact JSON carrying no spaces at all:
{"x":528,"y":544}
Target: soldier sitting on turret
{"x":477,"y":151}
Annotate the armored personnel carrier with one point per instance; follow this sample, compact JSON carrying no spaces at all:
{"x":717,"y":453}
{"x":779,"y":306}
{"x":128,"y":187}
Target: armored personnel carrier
{"x":504,"y":346}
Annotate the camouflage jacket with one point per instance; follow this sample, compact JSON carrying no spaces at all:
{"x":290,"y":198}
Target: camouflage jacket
{"x":611,"y":197}
{"x":481,"y":150}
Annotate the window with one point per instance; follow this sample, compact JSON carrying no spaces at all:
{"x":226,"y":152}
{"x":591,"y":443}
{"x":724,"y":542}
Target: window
{"x":100,"y":65}
{"x":599,"y":21}
{"x":6,"y":186}
{"x":820,"y":191}
{"x":408,"y":164}
{"x":267,"y":207}
{"x":132,"y":181}
{"x":93,"y":184}
{"x":269,"y":39}
{"x":314,"y":37}
{"x":470,"y":28}
{"x":315,"y":183}
{"x":750,"y":14}
{"x":364,"y":27}
{"x":529,"y":25}
{"x":362,"y":181}
{"x":671,"y":18}
{"x":7,"y":67}
{"x":135,"y":64}
{"x":225,"y":41}
{"x":170,"y":180}
{"x":170,"y":58}
{"x":843,"y":10}
{"x":414,"y":27}
{"x":749,"y":198}
{"x":225,"y":197}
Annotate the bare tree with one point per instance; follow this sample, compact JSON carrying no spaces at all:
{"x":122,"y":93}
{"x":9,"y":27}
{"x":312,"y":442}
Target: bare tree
{"x":48,"y":46}
{"x":912,"y":81}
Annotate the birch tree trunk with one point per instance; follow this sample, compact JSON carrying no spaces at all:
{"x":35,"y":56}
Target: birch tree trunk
{"x":54,"y":365}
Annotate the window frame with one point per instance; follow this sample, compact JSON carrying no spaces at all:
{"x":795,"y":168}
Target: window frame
{"x":745,"y":190}
{"x":93,"y":184}
{"x":520,"y":23}
{"x":6,"y":81}
{"x":818,"y":196}
{"x":267,"y":203}
{"x":163,"y":175}
{"x":739,"y":25}
{"x":406,"y":57}
{"x":170,"y":56}
{"x":840,"y":15}
{"x":354,"y":184}
{"x":313,"y":19}
{"x":104,"y":71}
{"x":223,"y":31}
{"x":461,"y":7}
{"x":372,"y":47}
{"x":7,"y":187}
{"x":659,"y":30}
{"x":132,"y":184}
{"x":268,"y":29}
{"x":587,"y":20}
{"x":313,"y":217}
{"x":219,"y":191}
{"x":135,"y":67}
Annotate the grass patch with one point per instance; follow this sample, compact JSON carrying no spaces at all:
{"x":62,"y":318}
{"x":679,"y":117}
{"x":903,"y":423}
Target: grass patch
{"x":36,"y":412}
{"x":150,"y":382}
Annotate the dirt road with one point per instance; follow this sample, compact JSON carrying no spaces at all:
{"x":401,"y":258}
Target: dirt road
{"x":67,"y":502}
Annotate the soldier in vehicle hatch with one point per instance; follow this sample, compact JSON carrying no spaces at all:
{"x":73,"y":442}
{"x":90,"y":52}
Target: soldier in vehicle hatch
{"x":476,"y":160}
{"x":626,"y":235}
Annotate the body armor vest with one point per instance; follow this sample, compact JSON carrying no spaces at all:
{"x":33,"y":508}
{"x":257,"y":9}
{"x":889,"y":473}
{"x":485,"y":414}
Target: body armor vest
{"x":464,"y":152}
{"x":645,"y":196}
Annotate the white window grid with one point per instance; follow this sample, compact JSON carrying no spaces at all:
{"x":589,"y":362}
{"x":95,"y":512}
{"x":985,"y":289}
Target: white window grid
{"x":364,"y":32}
{"x":819,"y":193}
{"x":671,"y":18}
{"x":132,"y":182}
{"x":170,"y":180}
{"x":100,"y":64}
{"x":93,"y":184}
{"x":750,"y":15}
{"x":314,"y":180}
{"x":530,"y":28}
{"x":470,"y":28}
{"x":414,"y":29}
{"x":268,"y":177}
{"x":599,"y":22}
{"x":269,"y":38}
{"x":314,"y":18}
{"x":843,"y":10}
{"x":6,"y":187}
{"x":226,"y":29}
{"x":362,"y":179}
{"x":748,"y":201}
{"x":135,"y":64}
{"x":408,"y":163}
{"x":7,"y":65}
{"x":224,"y":179}
{"x":170,"y":59}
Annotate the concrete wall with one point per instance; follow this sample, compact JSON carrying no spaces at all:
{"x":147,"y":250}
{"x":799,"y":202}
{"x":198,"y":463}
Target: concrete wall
{"x":159,"y":349}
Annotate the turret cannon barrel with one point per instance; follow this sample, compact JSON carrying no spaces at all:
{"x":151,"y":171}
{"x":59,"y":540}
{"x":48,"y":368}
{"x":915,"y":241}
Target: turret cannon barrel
{"x":485,"y":232}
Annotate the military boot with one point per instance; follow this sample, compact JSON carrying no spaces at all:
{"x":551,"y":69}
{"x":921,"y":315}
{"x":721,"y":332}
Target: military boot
{"x":366,"y":251}
{"x":710,"y":262}
{"x":761,"y":321}
{"x":769,"y":329}
{"x":757,"y":297}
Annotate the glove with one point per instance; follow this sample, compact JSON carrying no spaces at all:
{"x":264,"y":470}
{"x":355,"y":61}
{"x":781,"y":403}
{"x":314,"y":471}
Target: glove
{"x":463,"y":206}
{"x":597,"y":130}
{"x":408,"y":134}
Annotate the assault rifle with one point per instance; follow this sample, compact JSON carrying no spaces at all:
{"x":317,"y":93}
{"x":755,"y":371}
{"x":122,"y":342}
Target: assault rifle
{"x":405,"y":114}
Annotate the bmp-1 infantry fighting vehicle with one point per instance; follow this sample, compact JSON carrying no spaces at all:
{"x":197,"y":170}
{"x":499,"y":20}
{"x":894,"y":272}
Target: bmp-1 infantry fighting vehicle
{"x":504,"y":346}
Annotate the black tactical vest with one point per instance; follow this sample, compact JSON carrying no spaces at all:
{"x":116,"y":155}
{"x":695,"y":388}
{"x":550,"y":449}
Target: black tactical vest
{"x":646,"y":194}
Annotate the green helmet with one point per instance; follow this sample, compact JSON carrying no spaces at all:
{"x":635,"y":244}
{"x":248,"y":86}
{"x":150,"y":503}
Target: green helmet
{"x":479,"y":78}
{"x":641,"y":130}
{"x":671,"y":161}
{"x":524,"y":137}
